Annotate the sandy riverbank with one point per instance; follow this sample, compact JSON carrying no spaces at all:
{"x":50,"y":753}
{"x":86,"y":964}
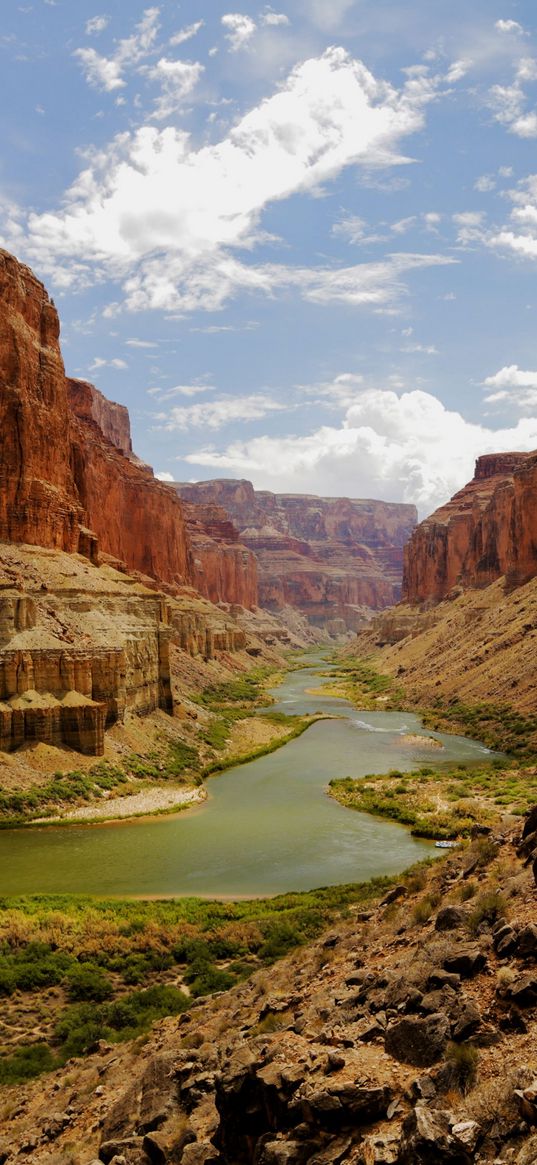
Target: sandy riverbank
{"x":134,"y":805}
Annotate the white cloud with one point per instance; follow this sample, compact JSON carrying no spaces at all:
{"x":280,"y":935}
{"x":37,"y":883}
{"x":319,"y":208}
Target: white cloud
{"x":509,"y":26}
{"x":177,"y":80}
{"x":239,"y":30}
{"x":215,"y":414}
{"x":400,"y":448}
{"x":508,"y":102}
{"x":107,"y":72}
{"x":458,"y":70}
{"x":513,"y":385}
{"x":187,"y":390}
{"x":98,"y":363}
{"x":469,"y":225}
{"x":353,"y":230}
{"x":167,"y":218}
{"x":164,"y":476}
{"x":187,"y":33}
{"x":141,"y":344}
{"x":520,"y":234}
{"x":485,"y":183}
{"x":274,"y":18}
{"x":96,"y":25}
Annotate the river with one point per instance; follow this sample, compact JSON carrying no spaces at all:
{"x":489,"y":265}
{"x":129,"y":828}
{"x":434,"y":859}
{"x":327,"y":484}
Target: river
{"x":267,"y":827}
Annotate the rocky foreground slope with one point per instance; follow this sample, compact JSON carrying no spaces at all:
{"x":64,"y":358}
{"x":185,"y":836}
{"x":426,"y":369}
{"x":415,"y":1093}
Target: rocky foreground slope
{"x":404,"y":1036}
{"x":333,"y":559}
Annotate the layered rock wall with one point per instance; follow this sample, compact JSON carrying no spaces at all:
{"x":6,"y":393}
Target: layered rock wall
{"x":223,"y":570}
{"x":333,"y":559}
{"x":488,"y":529}
{"x":88,"y":404}
{"x":38,"y":503}
{"x":74,"y":659}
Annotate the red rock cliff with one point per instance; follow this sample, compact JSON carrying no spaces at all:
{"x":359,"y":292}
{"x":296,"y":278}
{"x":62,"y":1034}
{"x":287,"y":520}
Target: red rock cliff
{"x":68,"y":476}
{"x":113,"y":420}
{"x":38,"y":502}
{"x":223,"y":569}
{"x":488,"y":529}
{"x":331,"y":558}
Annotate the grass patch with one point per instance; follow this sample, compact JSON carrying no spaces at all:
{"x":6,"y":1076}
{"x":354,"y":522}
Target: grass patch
{"x":499,"y":726}
{"x":367,"y":688}
{"x":443,"y":803}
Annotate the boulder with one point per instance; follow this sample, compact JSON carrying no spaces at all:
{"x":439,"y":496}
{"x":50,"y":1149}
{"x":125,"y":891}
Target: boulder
{"x":418,"y":1041}
{"x":450,"y":917}
{"x":466,"y":960}
{"x":428,"y":1139}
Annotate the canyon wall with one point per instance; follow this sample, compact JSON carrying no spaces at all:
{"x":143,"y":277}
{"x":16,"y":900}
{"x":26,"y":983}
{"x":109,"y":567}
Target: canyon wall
{"x":333,"y":559}
{"x":38,"y":502}
{"x":488,"y":529}
{"x":79,"y":647}
{"x":223,"y":570}
{"x":69,"y":478}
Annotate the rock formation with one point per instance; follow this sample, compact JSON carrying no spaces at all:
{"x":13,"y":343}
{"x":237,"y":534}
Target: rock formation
{"x":79,"y":647}
{"x":223,"y":569}
{"x":488,"y":529}
{"x":38,"y":501}
{"x":70,"y":482}
{"x":333,"y":559}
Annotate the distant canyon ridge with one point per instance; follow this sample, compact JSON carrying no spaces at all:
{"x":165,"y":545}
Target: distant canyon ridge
{"x":333,"y":559}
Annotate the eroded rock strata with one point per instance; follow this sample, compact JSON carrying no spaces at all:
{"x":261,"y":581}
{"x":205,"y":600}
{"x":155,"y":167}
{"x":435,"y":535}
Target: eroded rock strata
{"x":488,"y":529}
{"x":333,"y":559}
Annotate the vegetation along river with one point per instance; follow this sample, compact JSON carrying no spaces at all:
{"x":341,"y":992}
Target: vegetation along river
{"x":268,"y":826}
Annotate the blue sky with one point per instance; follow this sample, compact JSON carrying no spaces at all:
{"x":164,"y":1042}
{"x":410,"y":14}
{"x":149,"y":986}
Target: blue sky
{"x":298,"y":241}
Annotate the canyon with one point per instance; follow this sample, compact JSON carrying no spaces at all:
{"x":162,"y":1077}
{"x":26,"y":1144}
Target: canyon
{"x":336,"y":560}
{"x":71,"y":484}
{"x":466,"y":628}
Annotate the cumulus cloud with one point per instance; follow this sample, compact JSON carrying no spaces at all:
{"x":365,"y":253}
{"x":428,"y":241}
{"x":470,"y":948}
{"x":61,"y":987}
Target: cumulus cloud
{"x":108,"y":72}
{"x":96,"y":25}
{"x":274,"y":18}
{"x":458,"y":70}
{"x":513,"y":385}
{"x":98,"y":363}
{"x":239,"y":30}
{"x":187,"y":33}
{"x":508,"y":102}
{"x":509,"y":26}
{"x":519,"y":235}
{"x":168,"y":219}
{"x":163,"y":475}
{"x":406,"y":447}
{"x":215,"y":414}
{"x":177,"y":79}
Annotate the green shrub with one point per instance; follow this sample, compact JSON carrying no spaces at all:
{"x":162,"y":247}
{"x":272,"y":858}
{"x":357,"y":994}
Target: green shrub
{"x":88,"y":981}
{"x":463,"y":1061}
{"x":29,"y":1060}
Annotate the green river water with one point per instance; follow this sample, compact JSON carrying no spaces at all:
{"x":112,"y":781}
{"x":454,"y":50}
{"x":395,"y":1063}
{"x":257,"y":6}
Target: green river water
{"x":268,"y":826}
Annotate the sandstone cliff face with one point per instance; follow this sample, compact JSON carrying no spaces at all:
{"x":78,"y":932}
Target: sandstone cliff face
{"x":333,"y":559}
{"x":66,"y":465}
{"x":38,"y":503}
{"x":488,"y":529}
{"x":79,"y":647}
{"x":223,"y":570}
{"x":88,"y":404}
